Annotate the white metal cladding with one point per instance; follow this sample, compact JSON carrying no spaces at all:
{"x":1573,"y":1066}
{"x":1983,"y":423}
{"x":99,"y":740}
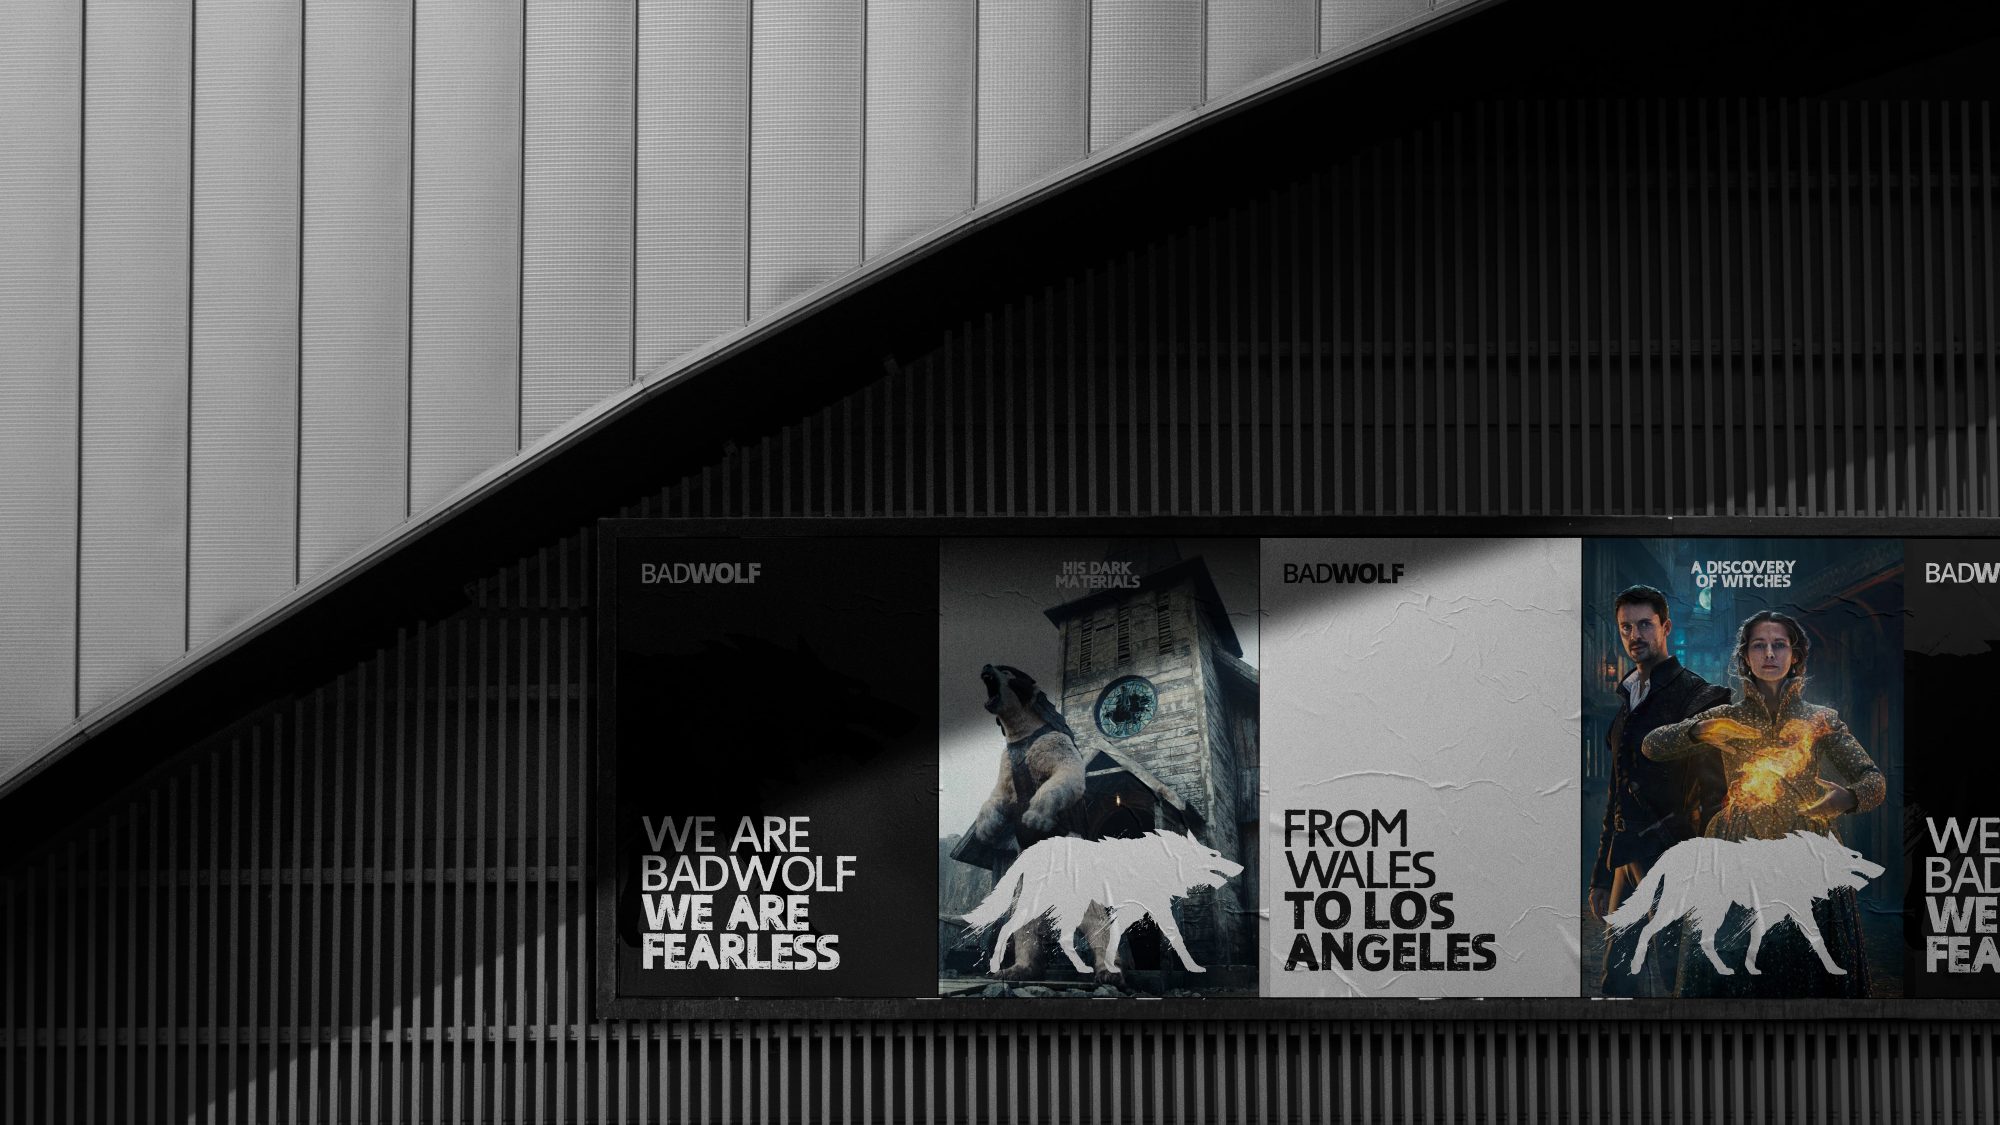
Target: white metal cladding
{"x":465,"y":253}
{"x":693,"y":175}
{"x":1248,"y":39}
{"x":576,"y":252}
{"x":41,"y":181}
{"x":1145,"y":64}
{"x":354,"y":384}
{"x":244,"y":350}
{"x":502,"y":214}
{"x":1034,"y":91}
{"x":806,"y":63}
{"x":132,"y":590}
{"x":1344,"y":21}
{"x":920,"y":117}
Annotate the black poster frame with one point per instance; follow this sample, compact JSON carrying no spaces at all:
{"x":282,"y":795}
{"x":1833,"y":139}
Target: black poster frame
{"x":609,"y":1006}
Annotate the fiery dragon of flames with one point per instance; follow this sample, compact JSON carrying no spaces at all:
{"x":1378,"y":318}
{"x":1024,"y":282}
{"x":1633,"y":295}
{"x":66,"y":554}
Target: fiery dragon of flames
{"x":1777,"y":764}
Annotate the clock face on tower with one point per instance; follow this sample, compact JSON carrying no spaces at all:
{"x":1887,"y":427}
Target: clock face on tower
{"x":1126,"y":706}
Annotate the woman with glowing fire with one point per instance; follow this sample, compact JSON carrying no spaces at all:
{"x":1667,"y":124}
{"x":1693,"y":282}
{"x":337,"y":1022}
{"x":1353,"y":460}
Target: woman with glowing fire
{"x":1773,"y":746}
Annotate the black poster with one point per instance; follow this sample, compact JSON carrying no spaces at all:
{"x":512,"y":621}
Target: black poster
{"x":1952,"y":906}
{"x":769,"y":766}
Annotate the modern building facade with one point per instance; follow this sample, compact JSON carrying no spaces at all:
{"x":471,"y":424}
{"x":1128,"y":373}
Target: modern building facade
{"x":328,"y":331}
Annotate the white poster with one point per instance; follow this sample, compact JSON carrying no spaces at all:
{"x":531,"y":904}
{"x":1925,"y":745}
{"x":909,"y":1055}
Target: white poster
{"x":1420,"y":732}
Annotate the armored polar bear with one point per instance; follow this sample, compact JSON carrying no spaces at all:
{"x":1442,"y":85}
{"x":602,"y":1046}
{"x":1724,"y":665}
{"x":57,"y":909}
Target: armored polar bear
{"x":1040,"y":791}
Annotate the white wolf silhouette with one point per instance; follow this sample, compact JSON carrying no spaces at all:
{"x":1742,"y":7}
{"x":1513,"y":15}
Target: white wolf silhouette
{"x":1130,"y":878}
{"x":1773,"y":879}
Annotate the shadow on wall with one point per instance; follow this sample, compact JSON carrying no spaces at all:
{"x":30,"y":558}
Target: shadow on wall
{"x":369,"y":895}
{"x":1559,"y":307}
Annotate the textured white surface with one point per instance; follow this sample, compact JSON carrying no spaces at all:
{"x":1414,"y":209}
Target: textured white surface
{"x":807,"y":59}
{"x":1248,"y":39}
{"x":499,"y":216}
{"x":920,"y":117}
{"x":1450,"y":694}
{"x":41,"y":166}
{"x":132,"y":618}
{"x":244,"y":368}
{"x":354,"y":378}
{"x":576,"y":242}
{"x":1034,"y":91}
{"x":693,"y":256}
{"x":1145,"y":64}
{"x":465,"y":260}
{"x":1344,"y":21}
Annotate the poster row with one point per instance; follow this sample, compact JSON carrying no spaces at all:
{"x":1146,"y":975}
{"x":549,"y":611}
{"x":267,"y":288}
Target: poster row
{"x":1540,"y":767}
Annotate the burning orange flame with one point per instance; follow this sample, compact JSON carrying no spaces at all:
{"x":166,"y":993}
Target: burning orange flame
{"x":1780,"y":765}
{"x":1776,"y":765}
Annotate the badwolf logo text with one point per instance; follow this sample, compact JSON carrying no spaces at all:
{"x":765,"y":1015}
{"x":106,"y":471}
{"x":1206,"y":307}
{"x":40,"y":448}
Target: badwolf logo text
{"x":700,"y":574}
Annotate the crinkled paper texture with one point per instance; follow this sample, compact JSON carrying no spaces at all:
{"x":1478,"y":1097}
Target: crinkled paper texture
{"x":1450,"y":694}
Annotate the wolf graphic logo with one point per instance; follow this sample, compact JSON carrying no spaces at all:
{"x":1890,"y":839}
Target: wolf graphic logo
{"x":1129,"y":878}
{"x":1700,"y":879}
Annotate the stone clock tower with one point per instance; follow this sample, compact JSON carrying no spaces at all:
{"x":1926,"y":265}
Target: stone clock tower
{"x":1165,"y":713}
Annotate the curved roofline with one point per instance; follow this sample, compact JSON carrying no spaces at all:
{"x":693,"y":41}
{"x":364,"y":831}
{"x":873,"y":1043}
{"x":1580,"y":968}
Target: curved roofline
{"x":717,"y":352}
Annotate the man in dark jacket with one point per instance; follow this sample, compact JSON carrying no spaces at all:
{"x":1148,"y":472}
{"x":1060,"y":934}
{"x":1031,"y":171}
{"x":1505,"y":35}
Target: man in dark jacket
{"x":1651,"y":805}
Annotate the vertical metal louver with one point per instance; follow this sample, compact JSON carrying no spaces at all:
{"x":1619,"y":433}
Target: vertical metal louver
{"x":1690,"y":309}
{"x":369,"y":901}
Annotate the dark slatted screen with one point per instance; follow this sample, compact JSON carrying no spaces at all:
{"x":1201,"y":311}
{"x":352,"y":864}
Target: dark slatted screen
{"x":367,"y":902}
{"x":1599,"y":308}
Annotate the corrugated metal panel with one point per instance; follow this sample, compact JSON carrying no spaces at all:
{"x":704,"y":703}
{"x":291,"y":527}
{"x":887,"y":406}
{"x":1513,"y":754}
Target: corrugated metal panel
{"x":133,"y":584}
{"x":694,"y":168}
{"x":354,"y":326}
{"x":244,"y":370}
{"x":1034,"y":91}
{"x":576,"y":246}
{"x":921,"y":56}
{"x":807,"y":71}
{"x":1341,"y":22}
{"x":370,"y":903}
{"x":1248,"y":39}
{"x":1553,"y":309}
{"x":689,"y":259}
{"x":41,"y":184}
{"x":465,"y":232}
{"x":1146,"y":60}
